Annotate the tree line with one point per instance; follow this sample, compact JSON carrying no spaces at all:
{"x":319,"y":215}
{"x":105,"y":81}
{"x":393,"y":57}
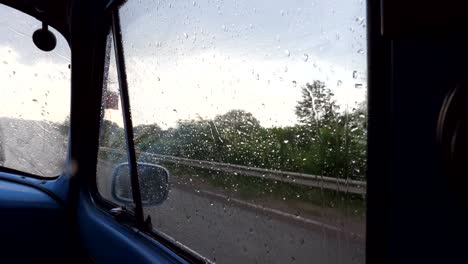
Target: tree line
{"x":326,"y":141}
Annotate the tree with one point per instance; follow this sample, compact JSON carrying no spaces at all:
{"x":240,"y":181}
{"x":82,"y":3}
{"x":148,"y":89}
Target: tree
{"x":338,"y":139}
{"x":146,"y":136}
{"x":238,"y":120}
{"x":236,"y":134}
{"x":317,"y":106}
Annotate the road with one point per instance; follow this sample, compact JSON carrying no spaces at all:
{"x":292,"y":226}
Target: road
{"x":227,"y":232}
{"x":210,"y":221}
{"x":225,"y":229}
{"x":35,"y":147}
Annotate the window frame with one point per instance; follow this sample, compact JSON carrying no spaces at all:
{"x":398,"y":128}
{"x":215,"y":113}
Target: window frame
{"x":129,"y":218}
{"x":136,"y":219}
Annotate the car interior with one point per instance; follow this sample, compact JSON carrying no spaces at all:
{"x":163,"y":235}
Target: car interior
{"x":56,"y":208}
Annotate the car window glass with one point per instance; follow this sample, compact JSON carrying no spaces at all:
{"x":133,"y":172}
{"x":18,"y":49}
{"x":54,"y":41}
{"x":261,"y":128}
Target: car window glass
{"x":34,"y":97}
{"x":258,"y":111}
{"x":112,"y":145}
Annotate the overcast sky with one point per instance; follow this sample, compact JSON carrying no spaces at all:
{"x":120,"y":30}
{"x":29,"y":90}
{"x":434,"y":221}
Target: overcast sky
{"x":34,"y":84}
{"x":198,"y":59}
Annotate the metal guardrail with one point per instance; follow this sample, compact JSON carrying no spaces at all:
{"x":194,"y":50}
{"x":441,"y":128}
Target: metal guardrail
{"x":329,"y":183}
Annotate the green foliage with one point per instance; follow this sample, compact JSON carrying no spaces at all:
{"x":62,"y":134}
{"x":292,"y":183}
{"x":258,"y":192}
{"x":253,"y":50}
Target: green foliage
{"x":317,"y":106}
{"x":326,"y":141}
{"x":340,"y":147}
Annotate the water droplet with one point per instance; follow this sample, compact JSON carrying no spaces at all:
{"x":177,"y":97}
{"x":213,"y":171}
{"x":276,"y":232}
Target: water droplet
{"x":294,"y":83}
{"x":305,"y":58}
{"x":339,"y":83}
{"x":185,"y":35}
{"x":211,"y":203}
{"x":337,"y":36}
{"x":287,"y":53}
{"x":355,"y":74}
{"x":286,"y":141}
{"x":286,"y":69}
{"x":257,"y":77}
{"x":282,"y":12}
{"x":360,"y":20}
{"x":358,"y":85}
{"x":360,"y":51}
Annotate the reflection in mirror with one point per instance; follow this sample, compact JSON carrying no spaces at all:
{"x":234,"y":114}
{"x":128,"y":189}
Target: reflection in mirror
{"x":154,"y":184}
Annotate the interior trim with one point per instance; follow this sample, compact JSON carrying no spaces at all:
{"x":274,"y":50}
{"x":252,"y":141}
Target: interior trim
{"x":37,"y":187}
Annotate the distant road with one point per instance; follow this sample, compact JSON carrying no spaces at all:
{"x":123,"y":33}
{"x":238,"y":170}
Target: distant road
{"x":35,"y":147}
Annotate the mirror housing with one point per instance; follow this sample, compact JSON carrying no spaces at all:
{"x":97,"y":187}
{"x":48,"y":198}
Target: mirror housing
{"x":154,"y":184}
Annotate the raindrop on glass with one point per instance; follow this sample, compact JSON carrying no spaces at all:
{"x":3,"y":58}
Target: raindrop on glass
{"x":360,"y":20}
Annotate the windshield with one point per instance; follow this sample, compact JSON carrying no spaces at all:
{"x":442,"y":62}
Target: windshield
{"x":34,"y":97}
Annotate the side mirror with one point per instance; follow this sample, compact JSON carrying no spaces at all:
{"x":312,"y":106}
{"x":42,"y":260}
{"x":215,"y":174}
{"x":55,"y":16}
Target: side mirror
{"x":154,"y":184}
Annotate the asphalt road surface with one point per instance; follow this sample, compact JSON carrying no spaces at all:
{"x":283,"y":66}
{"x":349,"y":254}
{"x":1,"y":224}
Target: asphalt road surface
{"x":35,"y":147}
{"x":231,"y":232}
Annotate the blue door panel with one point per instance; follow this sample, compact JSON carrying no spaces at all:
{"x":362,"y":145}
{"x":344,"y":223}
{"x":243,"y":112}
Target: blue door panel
{"x":107,"y":241}
{"x":32,"y":224}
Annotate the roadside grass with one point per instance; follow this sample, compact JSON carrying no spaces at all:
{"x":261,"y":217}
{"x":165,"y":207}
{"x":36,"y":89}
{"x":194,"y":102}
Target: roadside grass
{"x":254,"y":188}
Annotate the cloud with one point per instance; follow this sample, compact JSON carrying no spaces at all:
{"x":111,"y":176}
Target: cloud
{"x":213,"y":82}
{"x":39,"y":90}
